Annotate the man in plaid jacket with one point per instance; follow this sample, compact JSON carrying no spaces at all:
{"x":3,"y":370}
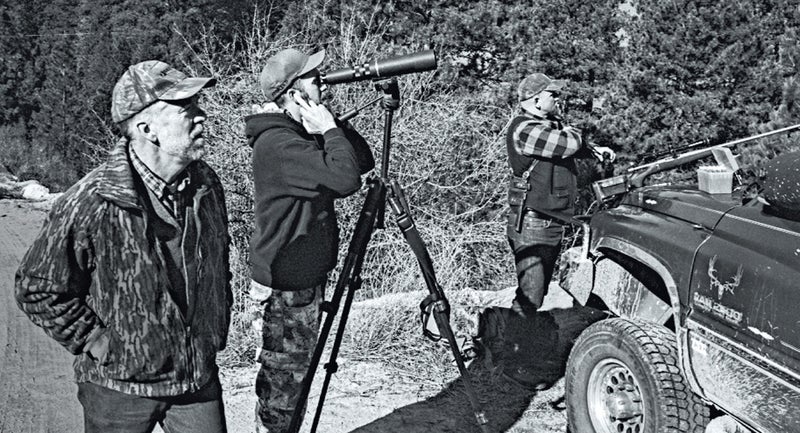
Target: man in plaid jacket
{"x":541,"y":154}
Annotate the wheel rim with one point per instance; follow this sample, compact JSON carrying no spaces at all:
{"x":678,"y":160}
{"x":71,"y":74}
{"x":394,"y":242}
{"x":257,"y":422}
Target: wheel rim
{"x":614,"y":400}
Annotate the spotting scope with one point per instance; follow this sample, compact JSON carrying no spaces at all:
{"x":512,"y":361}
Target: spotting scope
{"x":398,"y":65}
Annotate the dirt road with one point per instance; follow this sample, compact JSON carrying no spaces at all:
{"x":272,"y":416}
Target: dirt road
{"x":37,"y":393}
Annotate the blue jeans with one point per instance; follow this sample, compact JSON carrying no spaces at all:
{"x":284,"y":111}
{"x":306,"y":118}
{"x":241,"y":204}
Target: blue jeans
{"x":536,"y":248}
{"x":109,"y":411}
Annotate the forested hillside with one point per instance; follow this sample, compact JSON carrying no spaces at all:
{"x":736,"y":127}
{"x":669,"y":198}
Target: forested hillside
{"x":644,"y":75}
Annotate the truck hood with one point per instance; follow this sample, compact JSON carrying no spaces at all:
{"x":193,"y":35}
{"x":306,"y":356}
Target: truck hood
{"x":686,"y":203}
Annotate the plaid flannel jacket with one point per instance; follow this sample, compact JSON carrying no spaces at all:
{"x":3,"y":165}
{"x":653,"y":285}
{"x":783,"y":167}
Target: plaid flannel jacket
{"x":546,"y":138}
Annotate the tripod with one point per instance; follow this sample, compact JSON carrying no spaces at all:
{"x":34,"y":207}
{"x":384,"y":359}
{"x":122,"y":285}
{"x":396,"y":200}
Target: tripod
{"x":371,"y":216}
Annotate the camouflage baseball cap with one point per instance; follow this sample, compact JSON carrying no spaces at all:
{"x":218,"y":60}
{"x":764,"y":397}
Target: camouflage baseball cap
{"x":283,"y":68}
{"x":147,"y":82}
{"x":533,"y":84}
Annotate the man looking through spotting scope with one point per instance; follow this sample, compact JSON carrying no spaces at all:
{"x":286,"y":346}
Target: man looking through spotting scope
{"x":303,"y":159}
{"x":541,"y":153}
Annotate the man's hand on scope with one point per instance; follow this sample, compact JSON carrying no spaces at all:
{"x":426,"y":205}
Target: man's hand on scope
{"x":316,"y":117}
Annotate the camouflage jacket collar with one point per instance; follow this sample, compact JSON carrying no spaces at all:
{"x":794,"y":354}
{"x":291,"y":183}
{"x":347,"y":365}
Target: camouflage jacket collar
{"x":118,"y":184}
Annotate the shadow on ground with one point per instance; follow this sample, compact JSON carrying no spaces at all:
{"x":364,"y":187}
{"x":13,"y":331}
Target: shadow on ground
{"x":518,"y":358}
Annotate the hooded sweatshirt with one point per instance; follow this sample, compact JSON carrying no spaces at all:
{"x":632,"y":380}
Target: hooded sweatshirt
{"x":297,"y":177}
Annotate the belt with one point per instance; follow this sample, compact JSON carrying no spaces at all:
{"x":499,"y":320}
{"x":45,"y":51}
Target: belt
{"x":532,"y":212}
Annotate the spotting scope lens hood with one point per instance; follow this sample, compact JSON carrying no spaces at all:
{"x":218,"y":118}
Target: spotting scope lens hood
{"x":399,"y":65}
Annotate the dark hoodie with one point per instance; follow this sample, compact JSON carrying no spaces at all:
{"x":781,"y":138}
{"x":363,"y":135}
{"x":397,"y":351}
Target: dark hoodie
{"x":297,"y":177}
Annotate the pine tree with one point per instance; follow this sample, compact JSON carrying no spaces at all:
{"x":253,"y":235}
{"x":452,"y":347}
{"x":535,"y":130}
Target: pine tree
{"x":18,"y":76}
{"x":699,"y":69}
{"x":57,"y":112}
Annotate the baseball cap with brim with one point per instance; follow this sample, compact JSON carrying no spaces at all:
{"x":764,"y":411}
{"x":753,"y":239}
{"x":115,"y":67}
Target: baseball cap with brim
{"x":188,"y":88}
{"x":536,"y":83}
{"x":144,"y":83}
{"x":282,"y":69}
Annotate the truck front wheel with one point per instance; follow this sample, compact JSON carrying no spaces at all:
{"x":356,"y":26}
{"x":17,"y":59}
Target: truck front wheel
{"x":623,"y":376}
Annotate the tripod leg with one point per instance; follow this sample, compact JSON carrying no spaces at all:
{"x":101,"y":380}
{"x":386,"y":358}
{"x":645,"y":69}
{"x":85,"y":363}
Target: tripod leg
{"x":440,"y":305}
{"x":443,"y":322}
{"x":349,"y":277}
{"x":331,"y":367}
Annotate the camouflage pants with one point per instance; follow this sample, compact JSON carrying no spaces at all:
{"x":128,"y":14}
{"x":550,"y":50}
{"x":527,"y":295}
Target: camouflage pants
{"x":291,"y":324}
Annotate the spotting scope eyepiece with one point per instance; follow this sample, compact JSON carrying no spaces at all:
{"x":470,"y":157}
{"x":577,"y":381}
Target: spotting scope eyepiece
{"x":416,"y":62}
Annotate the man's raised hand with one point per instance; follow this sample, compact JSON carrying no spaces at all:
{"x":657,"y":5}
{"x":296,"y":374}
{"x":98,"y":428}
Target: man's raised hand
{"x":316,"y":117}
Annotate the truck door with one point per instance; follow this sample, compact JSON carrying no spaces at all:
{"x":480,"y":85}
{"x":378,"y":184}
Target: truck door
{"x":744,"y":341}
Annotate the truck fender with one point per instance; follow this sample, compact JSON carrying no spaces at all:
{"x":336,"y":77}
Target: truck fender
{"x":600,"y":273}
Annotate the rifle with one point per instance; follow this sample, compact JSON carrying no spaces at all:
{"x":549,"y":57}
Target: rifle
{"x":635,"y":176}
{"x":672,"y":151}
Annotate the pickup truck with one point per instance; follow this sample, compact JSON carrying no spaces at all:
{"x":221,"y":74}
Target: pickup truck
{"x":702,"y":290}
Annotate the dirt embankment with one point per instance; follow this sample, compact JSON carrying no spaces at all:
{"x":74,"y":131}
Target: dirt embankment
{"x":38,"y":394}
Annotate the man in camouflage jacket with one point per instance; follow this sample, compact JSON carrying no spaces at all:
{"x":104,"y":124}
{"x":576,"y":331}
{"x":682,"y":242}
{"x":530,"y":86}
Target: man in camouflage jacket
{"x":130,"y":271}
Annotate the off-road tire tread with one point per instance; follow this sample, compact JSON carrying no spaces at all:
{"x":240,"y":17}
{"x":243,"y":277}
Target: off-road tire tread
{"x":684,"y":410}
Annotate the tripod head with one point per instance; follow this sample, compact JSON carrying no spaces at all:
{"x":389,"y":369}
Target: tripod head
{"x":390,"y":103}
{"x":391,"y":93}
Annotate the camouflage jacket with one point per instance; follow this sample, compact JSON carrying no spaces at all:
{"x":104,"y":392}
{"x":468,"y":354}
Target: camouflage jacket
{"x":95,"y":268}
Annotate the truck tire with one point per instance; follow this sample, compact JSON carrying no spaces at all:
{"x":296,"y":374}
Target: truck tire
{"x":623,"y":376}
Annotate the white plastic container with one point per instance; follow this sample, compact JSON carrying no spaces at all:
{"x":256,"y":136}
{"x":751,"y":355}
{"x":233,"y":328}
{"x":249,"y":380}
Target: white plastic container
{"x":715,"y":179}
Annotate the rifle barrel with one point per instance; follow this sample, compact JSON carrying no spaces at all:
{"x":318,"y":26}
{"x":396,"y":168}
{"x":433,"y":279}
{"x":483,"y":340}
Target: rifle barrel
{"x":700,"y":153}
{"x":674,"y":150}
